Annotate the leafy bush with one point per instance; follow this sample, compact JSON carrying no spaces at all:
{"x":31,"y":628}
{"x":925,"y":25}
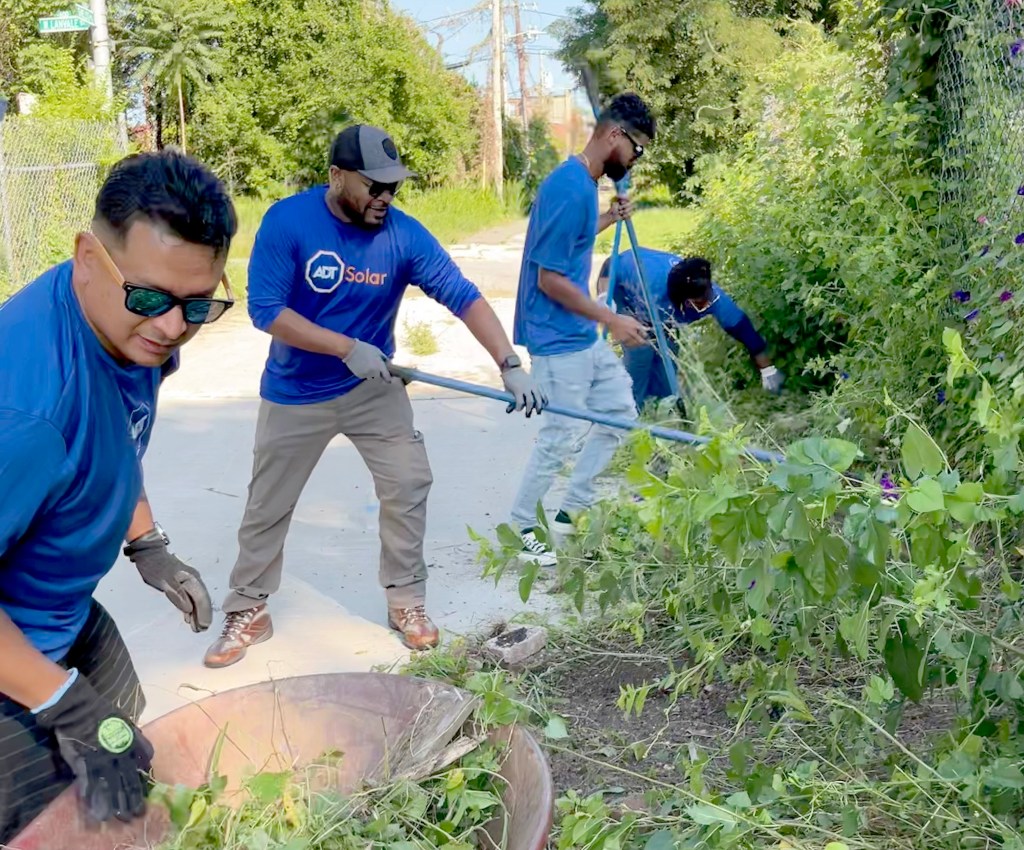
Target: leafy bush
{"x":529,"y":157}
{"x":829,"y":603}
{"x":830,"y":226}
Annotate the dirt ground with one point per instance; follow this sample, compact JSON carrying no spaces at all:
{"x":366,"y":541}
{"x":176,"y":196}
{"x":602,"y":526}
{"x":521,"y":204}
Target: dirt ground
{"x":625,"y":757}
{"x":608,"y":752}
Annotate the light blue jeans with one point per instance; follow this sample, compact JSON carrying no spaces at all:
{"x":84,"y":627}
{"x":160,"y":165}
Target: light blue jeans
{"x":593,"y":380}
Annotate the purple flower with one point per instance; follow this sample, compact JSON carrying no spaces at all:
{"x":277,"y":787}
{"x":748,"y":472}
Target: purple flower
{"x":940,"y":396}
{"x":984,"y":250}
{"x":970,"y":317}
{"x":961,"y":296}
{"x":844,"y":376}
{"x":1020,"y":189}
{"x":889,"y":488}
{"x":1015,"y":49}
{"x":752,"y":584}
{"x":1019,"y":238}
{"x":982,"y":219}
{"x":1005,"y":296}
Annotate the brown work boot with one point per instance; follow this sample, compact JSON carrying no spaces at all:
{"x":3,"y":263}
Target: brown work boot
{"x":415,"y":627}
{"x":242,"y":629}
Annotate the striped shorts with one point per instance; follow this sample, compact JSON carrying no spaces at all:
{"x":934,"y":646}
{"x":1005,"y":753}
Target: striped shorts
{"x":32,"y":773}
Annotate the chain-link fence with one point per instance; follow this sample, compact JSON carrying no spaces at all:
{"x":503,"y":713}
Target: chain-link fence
{"x":50,"y":171}
{"x":981,"y":88}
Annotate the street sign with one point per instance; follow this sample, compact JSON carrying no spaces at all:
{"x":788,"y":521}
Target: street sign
{"x":74,"y":20}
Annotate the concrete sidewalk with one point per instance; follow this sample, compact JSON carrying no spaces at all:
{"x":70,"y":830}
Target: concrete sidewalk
{"x":330,"y":614}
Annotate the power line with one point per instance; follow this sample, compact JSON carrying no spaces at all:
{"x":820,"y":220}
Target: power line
{"x":473,"y":10}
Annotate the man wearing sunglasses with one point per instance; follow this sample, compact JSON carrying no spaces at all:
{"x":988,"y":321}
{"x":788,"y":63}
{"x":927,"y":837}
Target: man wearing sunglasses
{"x":683,"y":293}
{"x":326,"y":277}
{"x":85,"y":348}
{"x":557,"y":320}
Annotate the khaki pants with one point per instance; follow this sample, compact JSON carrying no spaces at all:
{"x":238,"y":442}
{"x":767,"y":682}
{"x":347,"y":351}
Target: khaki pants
{"x":290,"y":438}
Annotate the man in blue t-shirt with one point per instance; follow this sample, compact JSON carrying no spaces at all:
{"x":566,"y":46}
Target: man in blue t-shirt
{"x":683,"y":293}
{"x":326,"y":277}
{"x":85,"y":347}
{"x":556,"y":319}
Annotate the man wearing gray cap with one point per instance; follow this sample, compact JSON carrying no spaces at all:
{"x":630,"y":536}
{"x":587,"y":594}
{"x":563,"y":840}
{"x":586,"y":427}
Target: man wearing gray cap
{"x":326,"y":276}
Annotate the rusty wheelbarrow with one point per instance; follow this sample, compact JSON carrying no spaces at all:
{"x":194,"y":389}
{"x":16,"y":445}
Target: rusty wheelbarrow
{"x":376,"y":721}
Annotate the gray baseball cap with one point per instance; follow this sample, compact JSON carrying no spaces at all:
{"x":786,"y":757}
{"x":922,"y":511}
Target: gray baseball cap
{"x":371,"y":152}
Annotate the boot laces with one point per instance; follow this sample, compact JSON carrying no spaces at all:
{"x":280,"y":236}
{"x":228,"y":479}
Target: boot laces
{"x":237,"y":621}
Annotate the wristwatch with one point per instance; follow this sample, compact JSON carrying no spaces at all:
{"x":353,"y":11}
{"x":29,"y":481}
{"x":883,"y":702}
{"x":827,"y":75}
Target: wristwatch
{"x":510,"y":362}
{"x":148,"y":540}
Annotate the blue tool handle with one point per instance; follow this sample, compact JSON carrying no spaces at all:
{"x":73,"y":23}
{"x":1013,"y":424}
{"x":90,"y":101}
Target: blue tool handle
{"x":619,"y":422}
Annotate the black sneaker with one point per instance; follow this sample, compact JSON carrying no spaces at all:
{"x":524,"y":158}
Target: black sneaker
{"x":536,"y":552}
{"x":563,"y":525}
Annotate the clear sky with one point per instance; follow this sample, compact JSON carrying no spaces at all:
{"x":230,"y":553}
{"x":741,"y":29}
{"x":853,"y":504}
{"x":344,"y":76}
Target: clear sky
{"x":459,"y":29}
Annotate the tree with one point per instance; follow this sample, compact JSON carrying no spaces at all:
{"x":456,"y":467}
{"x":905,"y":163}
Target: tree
{"x":177,"y":41}
{"x":303,"y":69}
{"x":690,"y":59}
{"x":18,"y":29}
{"x":530,"y":156}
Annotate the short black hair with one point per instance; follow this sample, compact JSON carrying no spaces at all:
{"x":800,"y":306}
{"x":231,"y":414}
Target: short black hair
{"x":629,"y":109}
{"x":172,"y":189}
{"x":689,"y":279}
{"x":605,"y":268}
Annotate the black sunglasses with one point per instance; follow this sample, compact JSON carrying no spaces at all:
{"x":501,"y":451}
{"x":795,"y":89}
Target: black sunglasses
{"x":377,"y":189}
{"x":638,"y":149}
{"x":143,"y":301}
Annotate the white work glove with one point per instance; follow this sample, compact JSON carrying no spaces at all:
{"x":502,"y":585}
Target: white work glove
{"x":772,"y":379}
{"x":368,"y":362}
{"x":527,"y":395}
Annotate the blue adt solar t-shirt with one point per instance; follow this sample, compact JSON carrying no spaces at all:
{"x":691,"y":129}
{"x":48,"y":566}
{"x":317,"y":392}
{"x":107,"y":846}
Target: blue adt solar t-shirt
{"x":75,"y":425}
{"x":344,"y":278}
{"x":657,"y":264}
{"x":560,"y":237}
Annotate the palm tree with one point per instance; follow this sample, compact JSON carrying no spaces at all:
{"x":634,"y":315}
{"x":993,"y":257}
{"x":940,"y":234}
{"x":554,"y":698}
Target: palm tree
{"x":177,"y":41}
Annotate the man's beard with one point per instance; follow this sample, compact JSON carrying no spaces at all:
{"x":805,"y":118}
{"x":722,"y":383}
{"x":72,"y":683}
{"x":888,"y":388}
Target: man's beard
{"x":359,"y":218}
{"x":615,"y":170}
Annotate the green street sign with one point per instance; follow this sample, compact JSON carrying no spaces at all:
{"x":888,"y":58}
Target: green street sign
{"x":72,"y":21}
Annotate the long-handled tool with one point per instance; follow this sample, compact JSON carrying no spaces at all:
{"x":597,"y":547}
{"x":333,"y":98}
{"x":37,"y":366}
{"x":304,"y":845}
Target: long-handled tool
{"x":622,"y":190}
{"x":408,"y":375}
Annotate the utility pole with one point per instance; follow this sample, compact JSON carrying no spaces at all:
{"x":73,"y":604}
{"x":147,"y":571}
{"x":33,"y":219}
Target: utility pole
{"x":100,"y":38}
{"x":521,"y":54}
{"x":497,"y":97}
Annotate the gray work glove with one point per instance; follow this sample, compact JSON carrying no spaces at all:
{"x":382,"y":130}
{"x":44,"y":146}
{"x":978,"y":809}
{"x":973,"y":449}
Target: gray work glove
{"x":176,"y":579}
{"x":772,"y":380}
{"x":527,"y":395}
{"x":368,"y":362}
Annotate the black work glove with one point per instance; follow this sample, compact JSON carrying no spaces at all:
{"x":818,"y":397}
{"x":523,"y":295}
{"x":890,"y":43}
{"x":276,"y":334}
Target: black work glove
{"x":168,"y":573}
{"x":110,"y":757}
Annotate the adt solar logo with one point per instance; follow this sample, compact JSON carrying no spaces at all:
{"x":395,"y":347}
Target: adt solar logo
{"x":324,"y":271}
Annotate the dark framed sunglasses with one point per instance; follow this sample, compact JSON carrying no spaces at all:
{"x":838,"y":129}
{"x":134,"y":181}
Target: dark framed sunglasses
{"x":377,"y":189}
{"x":638,"y":149}
{"x":148,"y":302}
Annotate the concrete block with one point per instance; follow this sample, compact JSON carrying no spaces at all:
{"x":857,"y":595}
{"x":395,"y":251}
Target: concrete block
{"x":516,"y":645}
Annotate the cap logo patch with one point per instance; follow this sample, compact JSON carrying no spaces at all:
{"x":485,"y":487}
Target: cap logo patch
{"x":389,"y":148}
